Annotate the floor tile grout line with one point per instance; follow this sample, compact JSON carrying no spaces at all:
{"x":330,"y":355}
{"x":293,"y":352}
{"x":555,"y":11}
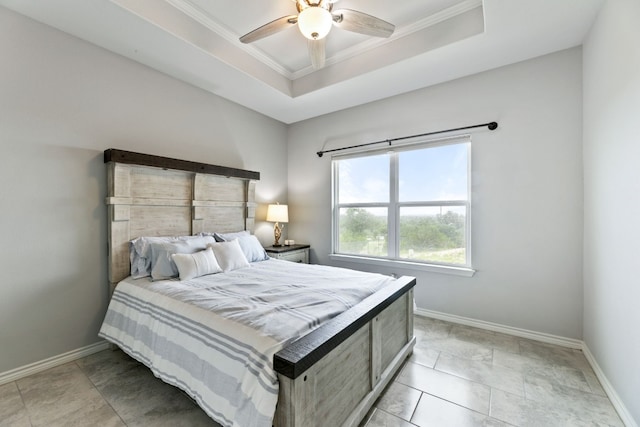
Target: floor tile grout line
{"x":453,"y":403}
{"x":415,"y":408}
{"x":555,"y":365}
{"x":393,"y":415}
{"x":24,"y":403}
{"x":435,"y":363}
{"x":496,"y":418}
{"x":553,"y":404}
{"x":468,"y":379}
{"x":104,"y":399}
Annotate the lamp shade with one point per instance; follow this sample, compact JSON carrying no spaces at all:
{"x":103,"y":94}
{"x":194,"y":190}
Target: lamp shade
{"x":315,"y":22}
{"x":278,"y":213}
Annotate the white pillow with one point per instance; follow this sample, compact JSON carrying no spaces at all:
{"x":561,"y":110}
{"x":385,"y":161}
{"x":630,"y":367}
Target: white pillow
{"x":229,"y":255}
{"x":140,"y":251}
{"x":252,"y":248}
{"x":197,"y":264}
{"x":162,"y":265}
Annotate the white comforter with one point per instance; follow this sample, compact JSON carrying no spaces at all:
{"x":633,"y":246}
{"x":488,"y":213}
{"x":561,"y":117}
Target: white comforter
{"x":215,"y":336}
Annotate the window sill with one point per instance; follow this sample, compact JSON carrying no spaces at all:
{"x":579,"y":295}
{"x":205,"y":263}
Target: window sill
{"x":431,"y":268}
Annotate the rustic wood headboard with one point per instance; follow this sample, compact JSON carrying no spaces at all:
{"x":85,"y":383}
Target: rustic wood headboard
{"x":159,"y":196}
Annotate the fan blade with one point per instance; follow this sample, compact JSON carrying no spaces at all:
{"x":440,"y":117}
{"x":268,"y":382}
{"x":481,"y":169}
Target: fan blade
{"x":359,"y":22}
{"x":317,"y":53}
{"x":270,"y":28}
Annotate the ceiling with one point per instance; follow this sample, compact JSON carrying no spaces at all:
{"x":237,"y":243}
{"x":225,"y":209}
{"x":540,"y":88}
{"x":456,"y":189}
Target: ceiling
{"x":196,"y":41}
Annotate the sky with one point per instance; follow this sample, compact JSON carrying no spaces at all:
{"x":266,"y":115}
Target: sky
{"x":442,"y":172}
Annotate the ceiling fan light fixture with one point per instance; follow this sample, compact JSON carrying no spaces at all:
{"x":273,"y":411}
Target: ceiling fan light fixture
{"x":315,"y":22}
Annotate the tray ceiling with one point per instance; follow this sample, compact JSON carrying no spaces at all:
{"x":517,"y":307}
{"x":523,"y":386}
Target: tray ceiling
{"x":435,"y":41}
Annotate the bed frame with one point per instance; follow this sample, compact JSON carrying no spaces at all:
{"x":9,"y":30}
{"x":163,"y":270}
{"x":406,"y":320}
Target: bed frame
{"x":333,"y":375}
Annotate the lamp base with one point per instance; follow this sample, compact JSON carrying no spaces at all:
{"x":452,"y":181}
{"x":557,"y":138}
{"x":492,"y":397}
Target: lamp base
{"x":278,"y":245}
{"x":277,"y":232}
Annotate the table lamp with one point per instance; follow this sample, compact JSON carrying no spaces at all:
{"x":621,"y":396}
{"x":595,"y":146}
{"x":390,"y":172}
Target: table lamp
{"x":277,"y":213}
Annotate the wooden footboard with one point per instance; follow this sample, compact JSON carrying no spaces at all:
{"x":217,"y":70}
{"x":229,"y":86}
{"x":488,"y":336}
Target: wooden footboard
{"x":333,"y":376}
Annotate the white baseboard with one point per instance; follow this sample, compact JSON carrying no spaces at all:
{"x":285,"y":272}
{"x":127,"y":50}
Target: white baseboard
{"x":624,"y":414}
{"x":617,"y":403}
{"x":52,"y":362}
{"x":495,"y":327}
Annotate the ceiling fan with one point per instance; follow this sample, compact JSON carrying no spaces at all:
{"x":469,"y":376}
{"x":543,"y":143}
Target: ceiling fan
{"x":315,"y":19}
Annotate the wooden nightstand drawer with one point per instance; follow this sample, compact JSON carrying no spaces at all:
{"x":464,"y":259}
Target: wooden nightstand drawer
{"x":293,"y":253}
{"x":301,"y":255}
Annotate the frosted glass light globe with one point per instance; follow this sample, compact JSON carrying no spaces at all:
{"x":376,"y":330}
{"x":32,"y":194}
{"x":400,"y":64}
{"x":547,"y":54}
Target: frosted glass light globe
{"x":315,"y":22}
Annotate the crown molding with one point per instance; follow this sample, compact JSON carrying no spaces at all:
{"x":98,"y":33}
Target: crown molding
{"x":374,"y":43}
{"x":202,"y":17}
{"x":205,"y":19}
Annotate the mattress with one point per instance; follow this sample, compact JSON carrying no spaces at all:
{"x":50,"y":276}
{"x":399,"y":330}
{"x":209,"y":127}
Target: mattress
{"x":215,"y":336}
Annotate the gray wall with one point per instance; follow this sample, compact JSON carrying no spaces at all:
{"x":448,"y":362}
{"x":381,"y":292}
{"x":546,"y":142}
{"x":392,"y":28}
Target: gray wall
{"x":62,"y":102}
{"x":526,"y":190}
{"x":612,"y":197}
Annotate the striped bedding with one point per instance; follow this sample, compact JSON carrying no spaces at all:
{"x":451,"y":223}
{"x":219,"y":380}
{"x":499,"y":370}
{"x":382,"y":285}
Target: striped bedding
{"x":215,"y":336}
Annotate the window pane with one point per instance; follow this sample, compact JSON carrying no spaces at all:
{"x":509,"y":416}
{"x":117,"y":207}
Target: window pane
{"x":434,"y":234}
{"x":363,"y":231}
{"x":436,"y":173}
{"x":365,"y":179}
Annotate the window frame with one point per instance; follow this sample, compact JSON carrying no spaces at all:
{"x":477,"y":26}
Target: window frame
{"x":394,"y":206}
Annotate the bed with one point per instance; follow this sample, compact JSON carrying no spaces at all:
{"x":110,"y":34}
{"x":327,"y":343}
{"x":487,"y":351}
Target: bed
{"x":327,"y":367}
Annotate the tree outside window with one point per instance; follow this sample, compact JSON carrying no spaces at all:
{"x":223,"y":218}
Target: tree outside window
{"x":409,"y":204}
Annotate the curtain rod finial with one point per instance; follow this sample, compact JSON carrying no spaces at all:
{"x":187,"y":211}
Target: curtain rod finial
{"x":319,"y":153}
{"x":493,"y":125}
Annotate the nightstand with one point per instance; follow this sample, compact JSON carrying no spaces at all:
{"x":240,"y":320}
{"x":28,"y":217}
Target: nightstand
{"x":293,"y":253}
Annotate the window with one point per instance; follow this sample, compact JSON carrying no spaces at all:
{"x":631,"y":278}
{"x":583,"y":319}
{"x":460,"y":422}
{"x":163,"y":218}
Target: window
{"x":405,"y":204}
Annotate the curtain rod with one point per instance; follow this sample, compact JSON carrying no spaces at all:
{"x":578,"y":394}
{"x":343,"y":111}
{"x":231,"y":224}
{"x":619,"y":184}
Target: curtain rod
{"x":491,"y":126}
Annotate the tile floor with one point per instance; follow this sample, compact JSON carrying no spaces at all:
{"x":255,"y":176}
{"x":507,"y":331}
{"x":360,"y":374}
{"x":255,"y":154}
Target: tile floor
{"x":458,"y":376}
